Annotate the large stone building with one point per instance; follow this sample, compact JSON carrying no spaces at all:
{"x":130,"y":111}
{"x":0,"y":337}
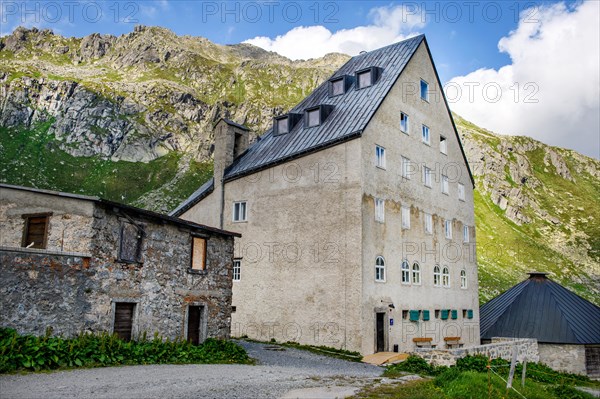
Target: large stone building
{"x":76,"y":264}
{"x":356,"y":213}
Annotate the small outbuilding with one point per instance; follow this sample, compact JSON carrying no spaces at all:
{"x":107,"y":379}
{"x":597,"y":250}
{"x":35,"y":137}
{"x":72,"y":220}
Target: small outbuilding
{"x":566,"y":326}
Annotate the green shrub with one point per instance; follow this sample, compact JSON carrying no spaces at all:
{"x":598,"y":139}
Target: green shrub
{"x":412,"y":364}
{"x":27,"y":352}
{"x":567,"y":392}
{"x":479,"y":363}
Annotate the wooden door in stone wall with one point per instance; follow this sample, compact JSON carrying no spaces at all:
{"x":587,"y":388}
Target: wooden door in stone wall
{"x":124,"y":320}
{"x":194,"y":330}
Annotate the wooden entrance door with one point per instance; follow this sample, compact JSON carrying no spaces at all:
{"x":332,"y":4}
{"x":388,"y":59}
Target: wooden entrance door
{"x":380,"y":331}
{"x":194,"y":331}
{"x":124,"y":320}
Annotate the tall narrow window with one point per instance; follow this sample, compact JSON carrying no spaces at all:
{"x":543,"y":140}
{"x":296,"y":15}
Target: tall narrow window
{"x":425,"y":135}
{"x":465,"y":233}
{"x":405,"y":272}
{"x":444,"y":184}
{"x":237,"y":270}
{"x":239,"y":211}
{"x":461,"y":191}
{"x":424,"y":90}
{"x":380,"y":269}
{"x":198,"y":253}
{"x":416,"y":274}
{"x":379,"y":210}
{"x":426,"y":176}
{"x":380,"y":157}
{"x":406,"y":168}
{"x":443,"y":145}
{"x":35,"y":232}
{"x":406,"y":217}
{"x":403,"y":122}
{"x":437,"y":277}
{"x":130,"y":248}
{"x":448,"y":229}
{"x":463,"y":279}
{"x":445,"y":277}
{"x":428,"y":223}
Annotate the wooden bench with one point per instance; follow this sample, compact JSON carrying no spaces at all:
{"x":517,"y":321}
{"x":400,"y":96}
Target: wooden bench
{"x":453,"y":342}
{"x":423,"y":342}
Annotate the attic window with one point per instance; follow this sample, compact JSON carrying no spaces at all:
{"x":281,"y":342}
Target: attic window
{"x":367,"y":77}
{"x":316,"y":116}
{"x":337,"y":87}
{"x":285,"y":123}
{"x":282,"y":125}
{"x":313,"y":117}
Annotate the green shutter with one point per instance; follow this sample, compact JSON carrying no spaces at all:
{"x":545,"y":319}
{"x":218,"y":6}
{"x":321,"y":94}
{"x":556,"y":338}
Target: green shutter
{"x":414,"y":315}
{"x":426,"y":315}
{"x":454,"y":314}
{"x":470,"y":314}
{"x":444,"y":314}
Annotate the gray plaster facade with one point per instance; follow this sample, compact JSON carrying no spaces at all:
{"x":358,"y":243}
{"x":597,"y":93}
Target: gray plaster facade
{"x":310,"y":238}
{"x":74,"y":284}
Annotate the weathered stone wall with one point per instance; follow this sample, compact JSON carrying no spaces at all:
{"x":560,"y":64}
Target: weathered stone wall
{"x":526,"y":349}
{"x":71,"y":294}
{"x":567,"y":358}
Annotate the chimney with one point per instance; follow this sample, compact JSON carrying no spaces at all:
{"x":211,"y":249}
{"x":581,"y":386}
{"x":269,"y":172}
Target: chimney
{"x":231,"y":140}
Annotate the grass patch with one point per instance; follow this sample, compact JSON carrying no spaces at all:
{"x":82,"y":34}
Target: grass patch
{"x":31,"y":353}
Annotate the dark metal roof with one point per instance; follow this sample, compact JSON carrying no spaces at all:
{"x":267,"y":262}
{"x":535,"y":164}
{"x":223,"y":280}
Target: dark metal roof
{"x":543,"y":309}
{"x":351,"y":112}
{"x":131,"y":209}
{"x":196,"y":197}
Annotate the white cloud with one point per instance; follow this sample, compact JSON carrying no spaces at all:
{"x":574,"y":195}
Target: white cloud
{"x":557,"y":52}
{"x":389,"y":25}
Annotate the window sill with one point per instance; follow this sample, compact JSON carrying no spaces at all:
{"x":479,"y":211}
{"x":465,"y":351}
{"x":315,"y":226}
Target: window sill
{"x":445,"y":193}
{"x":426,"y":143}
{"x":380,"y":281}
{"x":380,"y":167}
{"x":425,"y":100}
{"x":198,"y":272}
{"x":402,"y":131}
{"x":461,"y":200}
{"x":427,"y":186}
{"x":239,"y":221}
{"x":380,"y":221}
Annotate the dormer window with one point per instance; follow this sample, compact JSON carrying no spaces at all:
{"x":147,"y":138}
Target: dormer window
{"x":315,"y":116}
{"x":282,"y":125}
{"x":367,"y":77}
{"x":285,"y":123}
{"x":339,"y":85}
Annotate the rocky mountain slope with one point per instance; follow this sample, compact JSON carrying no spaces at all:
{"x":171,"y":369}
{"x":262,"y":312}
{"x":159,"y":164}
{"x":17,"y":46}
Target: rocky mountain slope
{"x":129,"y":118}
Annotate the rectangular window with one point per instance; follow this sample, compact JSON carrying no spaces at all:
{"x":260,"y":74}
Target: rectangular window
{"x":123,"y":323}
{"x":337,"y":87}
{"x":237,"y":270}
{"x":282,"y":125}
{"x":465,"y":233}
{"x":314,"y":117}
{"x":461,"y":191}
{"x":426,"y":176}
{"x":443,"y":145}
{"x":239,"y":211}
{"x":406,"y":168}
{"x":425,"y":135}
{"x":424,"y":90}
{"x":198,"y":253}
{"x":403,"y":122}
{"x":380,"y":157}
{"x":364,"y":79}
{"x":130,"y":248}
{"x":428,"y":223}
{"x":379,"y":210}
{"x":448,"y":229}
{"x":35,"y":232}
{"x":444,"y":184}
{"x":405,"y":217}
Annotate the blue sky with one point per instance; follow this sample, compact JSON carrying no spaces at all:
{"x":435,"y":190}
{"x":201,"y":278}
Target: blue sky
{"x":526,"y":49}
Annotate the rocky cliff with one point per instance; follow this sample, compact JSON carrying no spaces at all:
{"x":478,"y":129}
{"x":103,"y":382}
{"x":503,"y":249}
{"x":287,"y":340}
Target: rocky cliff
{"x":130,"y":118}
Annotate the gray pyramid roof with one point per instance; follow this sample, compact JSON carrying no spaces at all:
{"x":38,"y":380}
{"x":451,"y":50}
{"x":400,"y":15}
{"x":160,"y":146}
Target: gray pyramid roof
{"x":543,"y":309}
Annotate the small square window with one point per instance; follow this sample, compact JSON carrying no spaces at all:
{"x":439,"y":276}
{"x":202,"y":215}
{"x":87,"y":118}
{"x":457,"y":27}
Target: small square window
{"x":466,"y":233}
{"x":425,"y":135}
{"x":426,"y":176}
{"x":379,"y":210}
{"x":283,"y":125}
{"x":239,"y":211}
{"x":443,"y":145}
{"x":428,"y":224}
{"x":364,"y":79}
{"x":35,"y":232}
{"x":448,"y":229}
{"x":461,"y":191}
{"x":405,"y":217}
{"x":314,"y":117}
{"x":380,"y":157}
{"x":424,"y":90}
{"x":444,"y":184}
{"x":198,"y":253}
{"x":403,"y":122}
{"x":337,"y":87}
{"x":237,"y":270}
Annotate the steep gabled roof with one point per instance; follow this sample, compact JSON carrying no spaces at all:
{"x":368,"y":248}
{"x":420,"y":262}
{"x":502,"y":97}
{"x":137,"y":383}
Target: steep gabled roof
{"x":351,"y":113}
{"x":542,"y":309}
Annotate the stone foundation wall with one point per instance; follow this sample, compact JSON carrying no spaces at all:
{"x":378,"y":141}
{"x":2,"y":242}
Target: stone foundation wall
{"x":567,"y":358}
{"x":499,"y":348}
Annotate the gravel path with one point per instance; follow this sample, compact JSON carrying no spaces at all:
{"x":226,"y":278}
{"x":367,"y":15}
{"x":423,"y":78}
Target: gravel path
{"x":290,"y":373}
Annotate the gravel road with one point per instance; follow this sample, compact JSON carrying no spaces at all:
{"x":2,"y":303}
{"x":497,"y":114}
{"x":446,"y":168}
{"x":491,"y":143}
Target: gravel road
{"x":278,"y":373}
